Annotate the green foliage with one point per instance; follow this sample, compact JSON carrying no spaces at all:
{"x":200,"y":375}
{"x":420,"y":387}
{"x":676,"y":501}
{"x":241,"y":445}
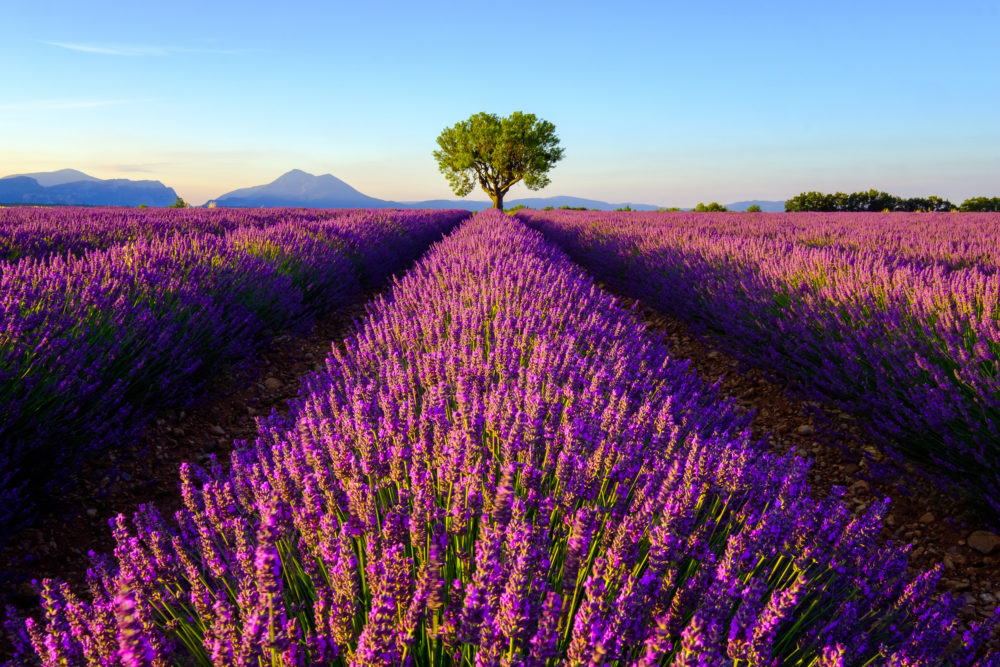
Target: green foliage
{"x":753,"y":208}
{"x":872,"y":200}
{"x":673,"y":209}
{"x":984,"y":204}
{"x":496,"y":153}
{"x":625,"y":208}
{"x":709,"y":208}
{"x":512,"y":211}
{"x":143,"y":206}
{"x":180,"y":203}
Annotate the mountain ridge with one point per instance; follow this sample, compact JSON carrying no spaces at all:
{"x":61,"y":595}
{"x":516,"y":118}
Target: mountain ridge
{"x":69,"y":187}
{"x":295,"y":188}
{"x":301,"y":189}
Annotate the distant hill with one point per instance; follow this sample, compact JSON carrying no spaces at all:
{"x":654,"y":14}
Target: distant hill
{"x":75,"y":188}
{"x":301,"y":189}
{"x":575,"y":202}
{"x":298,"y":188}
{"x":49,"y":178}
{"x":766,"y":206}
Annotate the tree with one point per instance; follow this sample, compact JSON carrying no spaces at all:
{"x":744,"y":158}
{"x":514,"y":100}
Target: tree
{"x":872,"y":200}
{"x":179,"y":203}
{"x":709,"y":208}
{"x":753,"y":208}
{"x":981,"y":204}
{"x":498,"y":152}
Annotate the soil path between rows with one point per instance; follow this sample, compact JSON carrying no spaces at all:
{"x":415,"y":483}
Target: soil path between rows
{"x":936,"y":524}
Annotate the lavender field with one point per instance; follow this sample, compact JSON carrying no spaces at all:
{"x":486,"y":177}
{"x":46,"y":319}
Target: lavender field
{"x":501,"y":465}
{"x":109,"y":315}
{"x":894,"y":317}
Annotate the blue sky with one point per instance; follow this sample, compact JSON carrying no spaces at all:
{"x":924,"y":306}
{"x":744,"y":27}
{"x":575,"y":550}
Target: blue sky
{"x":666,"y":103}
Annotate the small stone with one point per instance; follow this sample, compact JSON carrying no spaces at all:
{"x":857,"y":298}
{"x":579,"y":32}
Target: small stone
{"x":127,"y":477}
{"x":984,"y":542}
{"x":927,"y":518}
{"x":273,"y":383}
{"x":218,"y":430}
{"x":714,"y":354}
{"x":91,"y":512}
{"x":859,"y":487}
{"x":874,"y":453}
{"x":850,"y":468}
{"x":805,"y":429}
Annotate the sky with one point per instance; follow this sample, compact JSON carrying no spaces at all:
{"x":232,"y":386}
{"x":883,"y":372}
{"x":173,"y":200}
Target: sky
{"x":666,"y":103}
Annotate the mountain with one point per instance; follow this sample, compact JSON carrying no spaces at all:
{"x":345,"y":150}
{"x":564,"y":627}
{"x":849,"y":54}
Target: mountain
{"x":300,"y":189}
{"x":765,"y":205}
{"x":75,"y":188}
{"x":297,"y":188}
{"x":49,"y":178}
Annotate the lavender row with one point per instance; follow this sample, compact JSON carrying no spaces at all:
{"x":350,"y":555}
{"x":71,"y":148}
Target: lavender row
{"x":913,"y":348}
{"x":952,"y":241}
{"x":27,"y":231}
{"x":503,"y":467}
{"x":90,"y":346}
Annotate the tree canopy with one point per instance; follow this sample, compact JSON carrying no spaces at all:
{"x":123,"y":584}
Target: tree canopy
{"x":872,"y":200}
{"x":981,"y":204}
{"x":496,"y":153}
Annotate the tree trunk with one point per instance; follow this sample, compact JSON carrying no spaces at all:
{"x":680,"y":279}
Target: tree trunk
{"x":497,"y":200}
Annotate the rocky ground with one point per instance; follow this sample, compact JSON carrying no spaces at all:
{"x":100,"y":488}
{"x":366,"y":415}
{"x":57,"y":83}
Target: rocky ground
{"x":938,"y":526}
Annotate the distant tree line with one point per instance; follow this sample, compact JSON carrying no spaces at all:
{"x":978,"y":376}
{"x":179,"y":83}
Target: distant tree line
{"x":709,"y":208}
{"x":981,"y":204}
{"x":875,"y":200}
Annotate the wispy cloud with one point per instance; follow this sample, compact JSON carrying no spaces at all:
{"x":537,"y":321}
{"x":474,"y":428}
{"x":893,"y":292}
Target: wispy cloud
{"x":134,"y":50}
{"x":112,"y":49}
{"x":56,"y":104}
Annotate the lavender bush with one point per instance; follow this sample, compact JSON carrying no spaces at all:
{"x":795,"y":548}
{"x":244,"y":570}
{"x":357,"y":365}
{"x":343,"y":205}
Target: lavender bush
{"x":91,"y":345}
{"x":30,"y":231}
{"x":893,"y":317}
{"x":502,"y":467}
